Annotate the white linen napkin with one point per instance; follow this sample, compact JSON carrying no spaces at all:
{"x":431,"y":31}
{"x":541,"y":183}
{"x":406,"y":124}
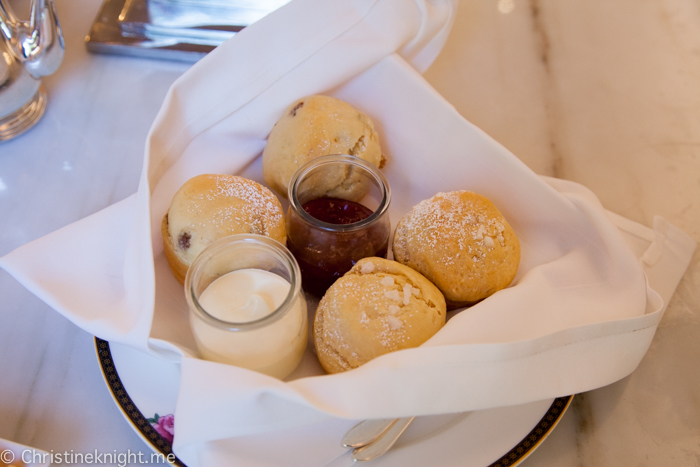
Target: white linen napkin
{"x":579,"y":314}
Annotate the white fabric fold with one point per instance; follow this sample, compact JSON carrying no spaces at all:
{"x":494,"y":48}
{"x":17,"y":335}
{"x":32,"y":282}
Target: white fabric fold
{"x":580,"y":314}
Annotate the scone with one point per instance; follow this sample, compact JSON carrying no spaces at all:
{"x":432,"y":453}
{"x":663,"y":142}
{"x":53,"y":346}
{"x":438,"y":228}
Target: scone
{"x":379,"y":306}
{"x":462,"y":243}
{"x":318,"y":126}
{"x":209,"y":207}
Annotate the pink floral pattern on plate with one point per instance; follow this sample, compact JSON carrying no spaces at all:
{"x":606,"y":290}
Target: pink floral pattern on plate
{"x":164,"y":425}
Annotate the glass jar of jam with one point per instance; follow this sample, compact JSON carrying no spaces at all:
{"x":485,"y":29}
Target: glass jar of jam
{"x":338,"y":214}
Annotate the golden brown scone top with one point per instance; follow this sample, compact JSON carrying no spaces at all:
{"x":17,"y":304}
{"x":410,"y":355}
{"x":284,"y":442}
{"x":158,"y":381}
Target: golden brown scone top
{"x":379,"y":306}
{"x":462,"y":243}
{"x":316,"y":126}
{"x":212,"y":206}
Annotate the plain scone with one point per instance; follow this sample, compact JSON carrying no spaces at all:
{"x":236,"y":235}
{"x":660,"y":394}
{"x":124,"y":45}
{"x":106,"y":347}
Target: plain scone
{"x":212,"y":206}
{"x":462,"y":243}
{"x":377,"y":307}
{"x":317,"y":126}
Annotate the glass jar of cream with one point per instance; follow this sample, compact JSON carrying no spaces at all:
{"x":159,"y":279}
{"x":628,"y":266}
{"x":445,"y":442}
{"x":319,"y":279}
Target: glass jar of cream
{"x":246,"y":305}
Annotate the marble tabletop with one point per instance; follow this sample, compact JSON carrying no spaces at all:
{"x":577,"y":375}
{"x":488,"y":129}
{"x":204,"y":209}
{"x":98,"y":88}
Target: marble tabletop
{"x":603,"y":93}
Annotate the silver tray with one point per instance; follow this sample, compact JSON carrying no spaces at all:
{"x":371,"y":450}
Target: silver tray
{"x":183,"y":30}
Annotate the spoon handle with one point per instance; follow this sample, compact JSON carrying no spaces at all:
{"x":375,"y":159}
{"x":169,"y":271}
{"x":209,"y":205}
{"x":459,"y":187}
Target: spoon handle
{"x":366,"y":432}
{"x":382,"y":444}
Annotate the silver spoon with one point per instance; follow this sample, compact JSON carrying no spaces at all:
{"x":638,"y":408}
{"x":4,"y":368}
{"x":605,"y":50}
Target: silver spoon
{"x":366,"y":432}
{"x":372,"y":438}
{"x":382,"y":444}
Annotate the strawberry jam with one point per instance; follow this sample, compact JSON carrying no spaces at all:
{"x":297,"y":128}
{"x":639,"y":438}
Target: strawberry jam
{"x":336,"y":210}
{"x":324,"y":254}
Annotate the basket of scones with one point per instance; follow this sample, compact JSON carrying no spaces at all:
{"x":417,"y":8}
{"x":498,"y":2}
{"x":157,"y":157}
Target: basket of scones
{"x":323,"y":156}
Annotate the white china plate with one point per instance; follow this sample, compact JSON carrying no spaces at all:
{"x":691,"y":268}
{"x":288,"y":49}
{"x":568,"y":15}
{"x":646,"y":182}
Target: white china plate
{"x":145,"y":389}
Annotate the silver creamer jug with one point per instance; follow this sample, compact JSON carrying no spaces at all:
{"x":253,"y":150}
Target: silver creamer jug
{"x":28,"y":50}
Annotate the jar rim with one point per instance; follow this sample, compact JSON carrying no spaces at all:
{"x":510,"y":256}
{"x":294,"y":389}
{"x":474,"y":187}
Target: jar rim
{"x":238,"y":241}
{"x":304,"y":170}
